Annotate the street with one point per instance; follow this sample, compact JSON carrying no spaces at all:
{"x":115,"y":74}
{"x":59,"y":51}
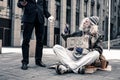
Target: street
{"x":10,"y":63}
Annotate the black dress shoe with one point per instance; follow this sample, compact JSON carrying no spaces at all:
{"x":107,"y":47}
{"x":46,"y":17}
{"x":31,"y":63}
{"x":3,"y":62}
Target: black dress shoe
{"x":81,"y":70}
{"x":40,"y":63}
{"x":24,"y":67}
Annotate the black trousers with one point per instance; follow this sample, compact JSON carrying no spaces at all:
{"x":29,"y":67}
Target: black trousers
{"x":39,"y":32}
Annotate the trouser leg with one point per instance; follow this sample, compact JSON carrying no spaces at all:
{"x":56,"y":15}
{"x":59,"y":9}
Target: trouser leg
{"x":63,"y":56}
{"x":39,"y":32}
{"x":74,"y":65}
{"x":86,"y":60}
{"x":28,"y":28}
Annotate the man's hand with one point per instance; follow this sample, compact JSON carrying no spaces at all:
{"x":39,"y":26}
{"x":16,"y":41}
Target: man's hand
{"x":51,"y":19}
{"x":23,"y":3}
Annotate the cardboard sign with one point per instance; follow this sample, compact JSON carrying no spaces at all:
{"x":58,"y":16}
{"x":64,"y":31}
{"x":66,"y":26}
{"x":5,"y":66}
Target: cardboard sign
{"x":82,"y":42}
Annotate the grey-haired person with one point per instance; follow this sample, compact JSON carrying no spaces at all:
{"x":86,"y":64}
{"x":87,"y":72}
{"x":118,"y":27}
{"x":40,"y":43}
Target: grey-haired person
{"x":69,"y":62}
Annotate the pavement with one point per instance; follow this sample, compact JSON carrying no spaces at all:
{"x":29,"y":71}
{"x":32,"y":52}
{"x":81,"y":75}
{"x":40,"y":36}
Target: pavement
{"x":10,"y":63}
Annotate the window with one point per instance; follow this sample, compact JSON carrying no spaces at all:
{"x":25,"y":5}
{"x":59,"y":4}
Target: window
{"x":68,"y":12}
{"x":77,"y":13}
{"x":58,"y":13}
{"x":85,"y":9}
{"x":77,"y":19}
{"x":9,"y":3}
{"x":103,"y":2}
{"x":98,"y":11}
{"x":58,"y":0}
{"x":78,"y":4}
{"x":115,"y":9}
{"x":92,"y":10}
{"x":103,"y":13}
{"x":103,"y":25}
{"x":68,"y":16}
{"x":68,"y":2}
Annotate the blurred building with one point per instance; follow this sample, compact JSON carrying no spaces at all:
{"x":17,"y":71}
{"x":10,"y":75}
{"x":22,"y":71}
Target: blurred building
{"x":115,"y":19}
{"x":5,"y":22}
{"x":69,"y":12}
{"x":10,"y":23}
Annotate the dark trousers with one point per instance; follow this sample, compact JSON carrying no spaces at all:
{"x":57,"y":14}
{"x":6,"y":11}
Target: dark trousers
{"x":39,"y":32}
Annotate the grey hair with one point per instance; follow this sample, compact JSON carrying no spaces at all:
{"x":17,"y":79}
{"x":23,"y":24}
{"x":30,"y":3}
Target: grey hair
{"x":93,"y":29}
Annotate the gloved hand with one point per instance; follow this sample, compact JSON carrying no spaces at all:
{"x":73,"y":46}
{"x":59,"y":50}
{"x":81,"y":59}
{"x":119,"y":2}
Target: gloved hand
{"x":79,"y":50}
{"x":51,"y":18}
{"x":67,"y":30}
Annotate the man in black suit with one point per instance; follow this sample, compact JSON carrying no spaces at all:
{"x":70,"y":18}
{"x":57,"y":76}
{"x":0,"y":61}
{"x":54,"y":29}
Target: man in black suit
{"x":33,"y":17}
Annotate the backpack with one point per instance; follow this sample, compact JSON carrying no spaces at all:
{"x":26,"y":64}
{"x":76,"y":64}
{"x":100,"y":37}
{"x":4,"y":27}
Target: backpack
{"x":101,"y":62}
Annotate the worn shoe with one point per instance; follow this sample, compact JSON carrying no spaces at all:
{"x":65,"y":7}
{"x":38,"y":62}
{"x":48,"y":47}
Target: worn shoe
{"x":24,"y":66}
{"x":81,"y":70}
{"x":40,"y":63}
{"x":61,"y":69}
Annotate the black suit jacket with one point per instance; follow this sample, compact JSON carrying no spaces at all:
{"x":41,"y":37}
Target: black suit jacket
{"x":32,"y":8}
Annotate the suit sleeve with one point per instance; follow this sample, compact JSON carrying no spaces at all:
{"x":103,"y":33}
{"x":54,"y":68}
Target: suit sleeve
{"x":46,"y":13}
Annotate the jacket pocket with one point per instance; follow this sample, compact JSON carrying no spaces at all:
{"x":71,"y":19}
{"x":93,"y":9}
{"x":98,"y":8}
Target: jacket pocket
{"x":29,"y":8}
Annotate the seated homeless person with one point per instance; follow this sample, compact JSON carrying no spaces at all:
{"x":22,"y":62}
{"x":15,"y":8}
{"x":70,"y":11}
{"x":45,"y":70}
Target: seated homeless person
{"x":70,"y":62}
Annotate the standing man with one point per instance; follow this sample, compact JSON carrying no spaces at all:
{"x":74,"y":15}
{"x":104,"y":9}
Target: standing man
{"x":33,"y":17}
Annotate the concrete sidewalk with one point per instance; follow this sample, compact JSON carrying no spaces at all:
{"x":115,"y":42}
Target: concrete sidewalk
{"x":112,"y":54}
{"x":10,"y":63}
